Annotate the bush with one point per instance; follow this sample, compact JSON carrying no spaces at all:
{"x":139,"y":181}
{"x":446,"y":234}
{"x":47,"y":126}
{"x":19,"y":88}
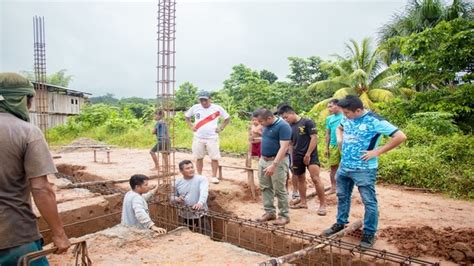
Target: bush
{"x":444,"y":166}
{"x":439,"y":123}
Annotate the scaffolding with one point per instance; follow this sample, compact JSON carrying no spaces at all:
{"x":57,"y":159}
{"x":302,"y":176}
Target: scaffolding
{"x":41,"y":98}
{"x":166,"y":81}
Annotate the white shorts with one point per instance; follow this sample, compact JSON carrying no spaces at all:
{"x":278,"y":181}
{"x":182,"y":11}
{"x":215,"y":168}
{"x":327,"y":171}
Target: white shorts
{"x":201,"y":146}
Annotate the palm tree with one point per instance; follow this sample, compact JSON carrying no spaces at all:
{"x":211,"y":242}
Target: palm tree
{"x":418,"y":16}
{"x":360,"y":73}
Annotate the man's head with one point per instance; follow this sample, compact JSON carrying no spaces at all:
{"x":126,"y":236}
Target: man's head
{"x":159,"y":115}
{"x":286,"y":112}
{"x":16,"y":95}
{"x":333,"y":108}
{"x":139,"y":183}
{"x":264,"y":116}
{"x":186,"y":168}
{"x":351,"y":106}
{"x":205,"y":99}
{"x":255,"y":121}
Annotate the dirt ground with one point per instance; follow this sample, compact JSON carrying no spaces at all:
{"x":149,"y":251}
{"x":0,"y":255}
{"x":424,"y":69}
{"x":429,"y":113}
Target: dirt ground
{"x":432,"y":223}
{"x":126,"y":246}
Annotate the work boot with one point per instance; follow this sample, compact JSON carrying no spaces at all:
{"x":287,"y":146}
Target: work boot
{"x":281,"y":221}
{"x":367,"y":241}
{"x":266,"y":217}
{"x":334,"y":229}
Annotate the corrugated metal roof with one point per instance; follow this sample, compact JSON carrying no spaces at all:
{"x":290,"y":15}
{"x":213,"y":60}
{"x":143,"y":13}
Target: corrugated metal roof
{"x":64,"y":89}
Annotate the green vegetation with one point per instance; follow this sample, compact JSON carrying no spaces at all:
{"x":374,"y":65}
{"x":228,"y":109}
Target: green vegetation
{"x":419,"y":78}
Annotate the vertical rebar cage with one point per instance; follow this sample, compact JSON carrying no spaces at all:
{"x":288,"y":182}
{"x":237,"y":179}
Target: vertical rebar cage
{"x":41,"y":98}
{"x":166,"y":91}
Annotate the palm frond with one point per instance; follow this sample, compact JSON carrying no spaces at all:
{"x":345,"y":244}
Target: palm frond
{"x":317,"y":108}
{"x":380,"y":95}
{"x":343,"y":92}
{"x":368,"y":104}
{"x":385,"y":79}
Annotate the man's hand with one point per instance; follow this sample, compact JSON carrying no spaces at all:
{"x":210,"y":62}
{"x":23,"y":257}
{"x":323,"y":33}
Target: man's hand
{"x":218,"y":130}
{"x":194,"y":129}
{"x":269,"y":170}
{"x":180,"y":199}
{"x":159,"y":230}
{"x":369,"y":155}
{"x":61,"y":242}
{"x":327,"y":153}
{"x":197,"y":206}
{"x":306,"y":159}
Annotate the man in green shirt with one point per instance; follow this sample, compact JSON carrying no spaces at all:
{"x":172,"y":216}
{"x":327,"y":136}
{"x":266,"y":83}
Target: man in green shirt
{"x":332,"y":151}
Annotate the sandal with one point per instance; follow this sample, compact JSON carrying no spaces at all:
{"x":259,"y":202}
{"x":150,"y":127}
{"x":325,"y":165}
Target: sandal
{"x":295,"y":201}
{"x":299,"y":206}
{"x":321,"y":211}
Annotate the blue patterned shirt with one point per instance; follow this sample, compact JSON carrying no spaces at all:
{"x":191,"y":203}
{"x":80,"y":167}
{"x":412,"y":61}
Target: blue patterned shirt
{"x":361,"y":134}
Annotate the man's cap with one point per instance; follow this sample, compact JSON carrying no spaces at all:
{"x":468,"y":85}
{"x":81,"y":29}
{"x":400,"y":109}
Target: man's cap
{"x":204,"y":95}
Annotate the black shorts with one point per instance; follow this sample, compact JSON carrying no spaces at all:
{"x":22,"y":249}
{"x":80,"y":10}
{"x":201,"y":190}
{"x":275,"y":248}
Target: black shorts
{"x":298,"y":167}
{"x":162,"y":146}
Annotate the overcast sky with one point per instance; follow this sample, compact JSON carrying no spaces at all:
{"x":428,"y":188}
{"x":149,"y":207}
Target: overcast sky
{"x":110,"y":46}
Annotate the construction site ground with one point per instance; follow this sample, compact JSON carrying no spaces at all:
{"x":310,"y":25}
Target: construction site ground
{"x":412,"y":223}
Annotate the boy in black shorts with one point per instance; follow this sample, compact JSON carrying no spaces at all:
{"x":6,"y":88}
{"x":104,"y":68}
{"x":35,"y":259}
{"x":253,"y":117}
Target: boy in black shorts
{"x":304,"y":155}
{"x":163,"y":144}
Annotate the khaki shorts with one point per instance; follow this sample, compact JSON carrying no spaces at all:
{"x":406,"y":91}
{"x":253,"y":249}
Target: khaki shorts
{"x":334,"y":156}
{"x":203,"y":146}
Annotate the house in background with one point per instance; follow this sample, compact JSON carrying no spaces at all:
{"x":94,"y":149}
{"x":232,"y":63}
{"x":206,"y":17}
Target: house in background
{"x":61,"y":104}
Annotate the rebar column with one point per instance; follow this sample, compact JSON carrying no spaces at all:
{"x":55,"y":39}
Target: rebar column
{"x":41,"y":98}
{"x":166,"y":87}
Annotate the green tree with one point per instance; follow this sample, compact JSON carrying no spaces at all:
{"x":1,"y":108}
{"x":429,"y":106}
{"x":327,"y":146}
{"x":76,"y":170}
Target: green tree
{"x":185,"y":96}
{"x":268,"y":76}
{"x":360,"y":73}
{"x":108,"y":98}
{"x":58,"y":78}
{"x":305,"y":71}
{"x":437,"y":54}
{"x":418,"y":16}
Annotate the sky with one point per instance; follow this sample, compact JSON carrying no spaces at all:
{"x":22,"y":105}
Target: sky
{"x":110,"y":46}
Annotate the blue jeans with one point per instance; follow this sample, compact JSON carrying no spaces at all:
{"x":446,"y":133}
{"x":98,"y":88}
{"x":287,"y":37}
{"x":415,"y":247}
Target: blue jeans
{"x":10,"y":256}
{"x":364,"y":179}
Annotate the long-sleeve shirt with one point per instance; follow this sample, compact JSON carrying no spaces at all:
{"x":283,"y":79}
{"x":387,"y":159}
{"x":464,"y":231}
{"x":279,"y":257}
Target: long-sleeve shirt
{"x":135,"y":210}
{"x":194,"y":190}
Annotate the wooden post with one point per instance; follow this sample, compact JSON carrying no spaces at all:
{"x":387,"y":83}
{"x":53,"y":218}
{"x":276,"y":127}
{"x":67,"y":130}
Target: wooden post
{"x":220,"y":172}
{"x":248,"y":164}
{"x":95,"y":155}
{"x":108,"y":156}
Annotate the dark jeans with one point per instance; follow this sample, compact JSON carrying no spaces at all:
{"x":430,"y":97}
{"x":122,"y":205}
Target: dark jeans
{"x":364,"y":179}
{"x":10,"y":256}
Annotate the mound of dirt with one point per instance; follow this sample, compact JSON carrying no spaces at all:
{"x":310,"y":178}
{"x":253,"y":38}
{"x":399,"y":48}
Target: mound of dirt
{"x":452,"y":244}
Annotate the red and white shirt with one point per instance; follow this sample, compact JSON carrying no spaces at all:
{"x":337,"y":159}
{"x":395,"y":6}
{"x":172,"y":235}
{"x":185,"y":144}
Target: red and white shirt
{"x":205,"y":119}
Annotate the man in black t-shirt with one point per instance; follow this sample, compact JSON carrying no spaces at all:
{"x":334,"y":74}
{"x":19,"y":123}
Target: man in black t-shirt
{"x":304,"y":154}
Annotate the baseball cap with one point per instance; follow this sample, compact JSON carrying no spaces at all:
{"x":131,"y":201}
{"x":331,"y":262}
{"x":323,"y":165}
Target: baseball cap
{"x":204,"y":95}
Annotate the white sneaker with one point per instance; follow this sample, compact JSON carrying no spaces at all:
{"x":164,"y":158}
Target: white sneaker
{"x":215,"y":180}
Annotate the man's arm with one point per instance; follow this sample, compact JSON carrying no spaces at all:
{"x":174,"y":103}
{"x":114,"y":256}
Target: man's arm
{"x":284,"y":144}
{"x":223,"y":125}
{"x":339,"y":132}
{"x":328,"y":141}
{"x":149,"y":195}
{"x":190,"y":124}
{"x":45,"y":200}
{"x":141,"y":212}
{"x":203,"y":194}
{"x":398,"y":138}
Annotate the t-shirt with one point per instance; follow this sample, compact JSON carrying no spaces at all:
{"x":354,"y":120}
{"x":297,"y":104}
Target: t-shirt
{"x":162,"y":133}
{"x":272,"y":135}
{"x":360,"y":134}
{"x":301,"y":132}
{"x":24,"y":154}
{"x":193,"y":190}
{"x":135,"y":210}
{"x":205,"y":119}
{"x":332,"y":122}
